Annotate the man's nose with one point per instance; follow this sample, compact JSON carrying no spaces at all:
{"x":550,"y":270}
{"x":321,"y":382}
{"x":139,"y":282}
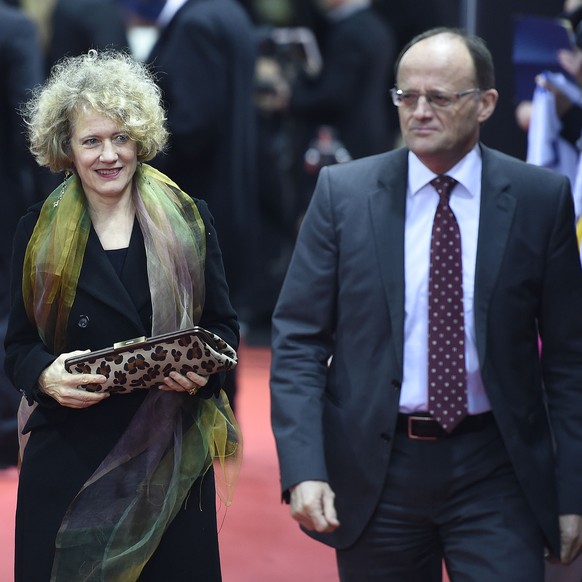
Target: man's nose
{"x":422,"y":106}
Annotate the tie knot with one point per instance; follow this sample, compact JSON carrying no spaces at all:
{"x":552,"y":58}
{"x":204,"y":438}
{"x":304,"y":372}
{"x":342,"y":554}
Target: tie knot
{"x":444,"y":185}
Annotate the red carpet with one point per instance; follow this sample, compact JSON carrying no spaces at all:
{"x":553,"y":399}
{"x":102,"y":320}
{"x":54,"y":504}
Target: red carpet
{"x":8,"y":480}
{"x":258,"y":539}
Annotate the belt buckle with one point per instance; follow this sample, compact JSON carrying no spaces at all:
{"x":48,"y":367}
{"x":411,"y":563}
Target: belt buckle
{"x":419,"y":437}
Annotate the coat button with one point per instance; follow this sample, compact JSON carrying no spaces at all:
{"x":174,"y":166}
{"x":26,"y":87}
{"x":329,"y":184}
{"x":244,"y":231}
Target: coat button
{"x":396,"y":384}
{"x":83,"y":321}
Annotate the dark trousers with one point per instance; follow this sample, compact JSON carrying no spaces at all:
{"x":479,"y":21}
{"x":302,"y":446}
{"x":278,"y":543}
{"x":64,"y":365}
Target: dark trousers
{"x":455,"y":497}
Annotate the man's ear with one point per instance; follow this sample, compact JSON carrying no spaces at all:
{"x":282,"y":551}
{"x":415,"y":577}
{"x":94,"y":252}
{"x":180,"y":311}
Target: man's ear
{"x":487,"y":104}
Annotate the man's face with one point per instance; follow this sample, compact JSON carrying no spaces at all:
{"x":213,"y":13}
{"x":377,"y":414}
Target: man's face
{"x":440,"y":137}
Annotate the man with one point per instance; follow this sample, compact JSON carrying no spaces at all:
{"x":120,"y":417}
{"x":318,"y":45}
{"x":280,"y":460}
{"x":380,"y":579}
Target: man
{"x":349,"y":93}
{"x":205,"y":56}
{"x":21,"y":70}
{"x":358,"y":51}
{"x":375,"y":461}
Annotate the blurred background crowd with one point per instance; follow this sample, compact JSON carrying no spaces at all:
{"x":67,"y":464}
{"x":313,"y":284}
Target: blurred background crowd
{"x":260,"y":94}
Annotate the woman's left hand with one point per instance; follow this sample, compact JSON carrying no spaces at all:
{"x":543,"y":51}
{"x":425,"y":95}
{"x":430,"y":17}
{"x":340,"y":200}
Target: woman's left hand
{"x":189,"y":383}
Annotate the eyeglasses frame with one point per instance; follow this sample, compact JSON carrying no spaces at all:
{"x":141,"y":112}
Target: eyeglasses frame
{"x":394,"y":92}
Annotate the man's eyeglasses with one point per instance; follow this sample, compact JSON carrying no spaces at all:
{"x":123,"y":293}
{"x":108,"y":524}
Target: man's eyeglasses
{"x":439,"y":99}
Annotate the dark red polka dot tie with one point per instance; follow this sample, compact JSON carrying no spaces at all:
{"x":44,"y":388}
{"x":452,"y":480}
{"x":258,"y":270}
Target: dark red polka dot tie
{"x":447,"y":392}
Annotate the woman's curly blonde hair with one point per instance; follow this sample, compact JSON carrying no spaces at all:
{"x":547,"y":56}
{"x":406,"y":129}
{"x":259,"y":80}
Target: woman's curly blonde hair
{"x":109,"y":82}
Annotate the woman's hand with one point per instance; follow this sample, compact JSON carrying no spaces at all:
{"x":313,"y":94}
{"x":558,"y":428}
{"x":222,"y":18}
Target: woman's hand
{"x":61,"y":385}
{"x":190,"y":383}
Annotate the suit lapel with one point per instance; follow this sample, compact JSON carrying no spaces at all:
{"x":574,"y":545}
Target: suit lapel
{"x":387,"y":207}
{"x":497,"y":212}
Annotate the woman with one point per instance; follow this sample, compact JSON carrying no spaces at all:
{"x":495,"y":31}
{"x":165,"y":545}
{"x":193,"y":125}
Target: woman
{"x":113,"y":487}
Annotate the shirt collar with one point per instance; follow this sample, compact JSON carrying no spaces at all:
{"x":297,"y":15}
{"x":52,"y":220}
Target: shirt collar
{"x":169,"y":10}
{"x":467,"y":172}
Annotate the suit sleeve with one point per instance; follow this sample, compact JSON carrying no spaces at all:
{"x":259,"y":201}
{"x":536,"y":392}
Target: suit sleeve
{"x":561,"y":334}
{"x":303,"y":331}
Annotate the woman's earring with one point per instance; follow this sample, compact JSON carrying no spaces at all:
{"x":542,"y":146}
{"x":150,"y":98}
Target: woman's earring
{"x":63,"y":187}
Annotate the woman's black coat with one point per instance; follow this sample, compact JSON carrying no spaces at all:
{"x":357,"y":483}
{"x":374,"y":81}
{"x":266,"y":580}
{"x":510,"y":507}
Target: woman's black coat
{"x":66,"y":445}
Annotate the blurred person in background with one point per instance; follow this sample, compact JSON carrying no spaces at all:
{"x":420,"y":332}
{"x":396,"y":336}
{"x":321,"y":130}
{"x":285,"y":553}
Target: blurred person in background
{"x":204,"y":59}
{"x":79,"y":25}
{"x":571,"y":62}
{"x":21,"y":70}
{"x":349,"y":94}
{"x":358,"y":52}
{"x":281,"y":13}
{"x":552,"y":118}
{"x":39,"y":12}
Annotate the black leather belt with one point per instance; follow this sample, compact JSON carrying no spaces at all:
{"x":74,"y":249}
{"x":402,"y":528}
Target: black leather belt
{"x":425,"y":427}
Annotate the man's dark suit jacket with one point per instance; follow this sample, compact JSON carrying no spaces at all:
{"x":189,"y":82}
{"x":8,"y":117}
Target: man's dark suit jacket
{"x":344,"y":298}
{"x":205,"y":59}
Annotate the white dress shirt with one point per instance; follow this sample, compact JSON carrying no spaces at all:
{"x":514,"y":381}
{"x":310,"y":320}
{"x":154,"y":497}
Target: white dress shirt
{"x":421,"y":204}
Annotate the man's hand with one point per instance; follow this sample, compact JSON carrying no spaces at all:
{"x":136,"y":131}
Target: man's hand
{"x":312,"y":505}
{"x":570,"y":537}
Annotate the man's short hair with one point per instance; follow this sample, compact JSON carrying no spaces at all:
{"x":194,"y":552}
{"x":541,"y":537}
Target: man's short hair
{"x":480,"y":54}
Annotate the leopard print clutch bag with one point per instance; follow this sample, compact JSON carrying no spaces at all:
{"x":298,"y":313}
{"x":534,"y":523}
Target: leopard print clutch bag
{"x":142,"y":363}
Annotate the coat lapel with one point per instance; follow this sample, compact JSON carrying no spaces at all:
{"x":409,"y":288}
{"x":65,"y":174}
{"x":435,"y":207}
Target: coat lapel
{"x":100,"y":280}
{"x":387,"y":207}
{"x":497,"y":212}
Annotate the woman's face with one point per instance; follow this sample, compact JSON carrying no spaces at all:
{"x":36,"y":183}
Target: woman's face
{"x":104,"y":157}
